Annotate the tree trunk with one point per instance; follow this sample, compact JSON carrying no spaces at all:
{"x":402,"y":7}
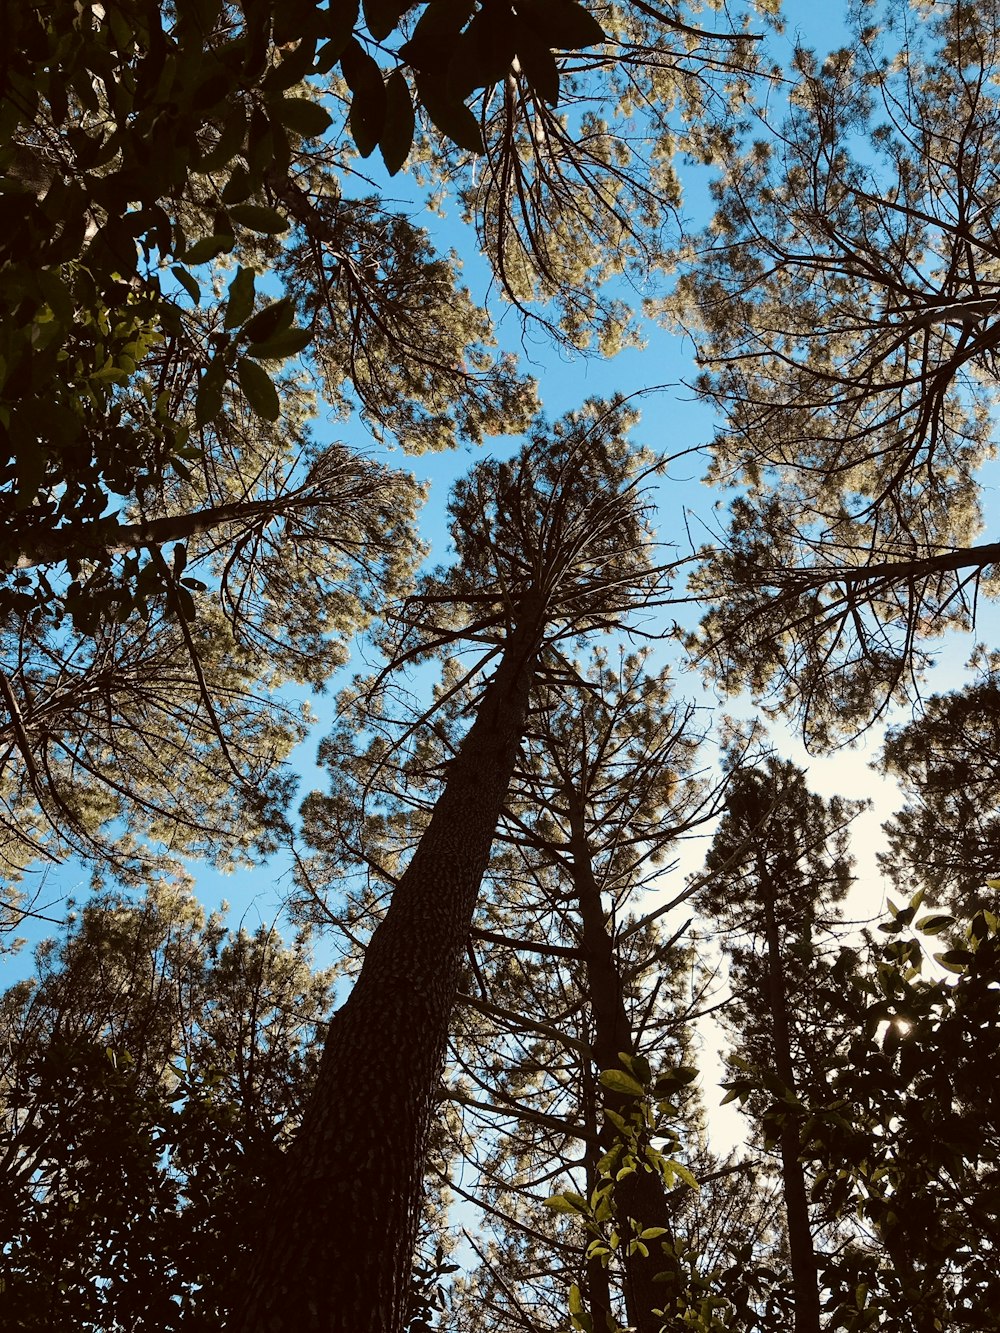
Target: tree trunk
{"x":106,"y":536}
{"x":640,"y":1197}
{"x":800,"y":1243}
{"x":335,"y":1252}
{"x":598,"y":1289}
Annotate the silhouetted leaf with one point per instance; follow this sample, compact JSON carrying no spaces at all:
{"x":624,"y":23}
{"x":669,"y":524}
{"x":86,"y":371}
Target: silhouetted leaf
{"x":368,"y":105}
{"x":207,"y":248}
{"x":241,"y":297}
{"x":284,"y":343}
{"x":538,"y":64}
{"x":397,"y":133}
{"x":448,"y":114}
{"x":267,"y":322}
{"x":383,"y":15}
{"x":260,"y":392}
{"x":484,"y":52}
{"x":435,"y":37}
{"x":258,"y":218}
{"x":302,"y":115}
{"x":561,"y":24}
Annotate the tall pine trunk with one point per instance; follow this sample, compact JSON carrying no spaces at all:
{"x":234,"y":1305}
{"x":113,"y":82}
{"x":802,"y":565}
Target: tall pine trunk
{"x":336,"y":1249}
{"x":640,"y":1197}
{"x":800,"y":1241}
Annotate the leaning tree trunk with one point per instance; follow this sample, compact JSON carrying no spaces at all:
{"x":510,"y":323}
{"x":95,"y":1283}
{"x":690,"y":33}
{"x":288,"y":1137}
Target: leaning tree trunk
{"x":800,"y":1241}
{"x":639,"y":1198}
{"x":335,"y":1252}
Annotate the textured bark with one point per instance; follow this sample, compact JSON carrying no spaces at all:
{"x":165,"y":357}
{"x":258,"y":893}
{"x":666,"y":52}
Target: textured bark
{"x":640,"y":1197}
{"x":598,"y":1290}
{"x":335,"y":1255}
{"x":106,"y":536}
{"x":800,"y":1242}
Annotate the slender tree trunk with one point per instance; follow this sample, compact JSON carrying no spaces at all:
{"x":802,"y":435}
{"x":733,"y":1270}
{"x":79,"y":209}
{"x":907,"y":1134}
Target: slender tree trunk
{"x":800,"y":1242}
{"x":106,"y":536}
{"x":640,"y":1197}
{"x":335,"y":1252}
{"x":598,"y":1283}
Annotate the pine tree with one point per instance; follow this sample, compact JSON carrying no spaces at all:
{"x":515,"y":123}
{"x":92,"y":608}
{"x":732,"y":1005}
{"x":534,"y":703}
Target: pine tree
{"x":843,"y":304}
{"x":549,"y":547}
{"x":946,"y":839}
{"x":777,"y":868}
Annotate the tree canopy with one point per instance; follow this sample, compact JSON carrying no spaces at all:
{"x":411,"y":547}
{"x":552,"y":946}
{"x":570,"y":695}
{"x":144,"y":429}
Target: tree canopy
{"x":562,"y":892}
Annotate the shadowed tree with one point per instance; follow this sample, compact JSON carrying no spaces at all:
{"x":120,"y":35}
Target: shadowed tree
{"x":776,"y":870}
{"x":152,"y":1066}
{"x":896,"y":1131}
{"x":946,"y":839}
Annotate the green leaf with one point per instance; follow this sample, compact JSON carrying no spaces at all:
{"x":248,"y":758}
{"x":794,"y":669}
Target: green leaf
{"x":637,"y":1065}
{"x":207,"y":248}
{"x":190,"y":283}
{"x":241,"y":297}
{"x":397,"y":133}
{"x":368,"y":105}
{"x":607,"y":1162}
{"x":260,"y":392}
{"x":208,"y":403}
{"x":382,"y":16}
{"x":282,"y":344}
{"x":616,"y":1080}
{"x":652,"y":1233}
{"x":934,"y":923}
{"x":269,"y":321}
{"x":448,"y":114}
{"x":561,"y":24}
{"x":682,"y":1173}
{"x":538,"y":64}
{"x":302,"y":115}
{"x":258,"y":218}
{"x":435,"y":37}
{"x":484,"y":52}
{"x":575,"y":1300}
{"x":560,"y":1204}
